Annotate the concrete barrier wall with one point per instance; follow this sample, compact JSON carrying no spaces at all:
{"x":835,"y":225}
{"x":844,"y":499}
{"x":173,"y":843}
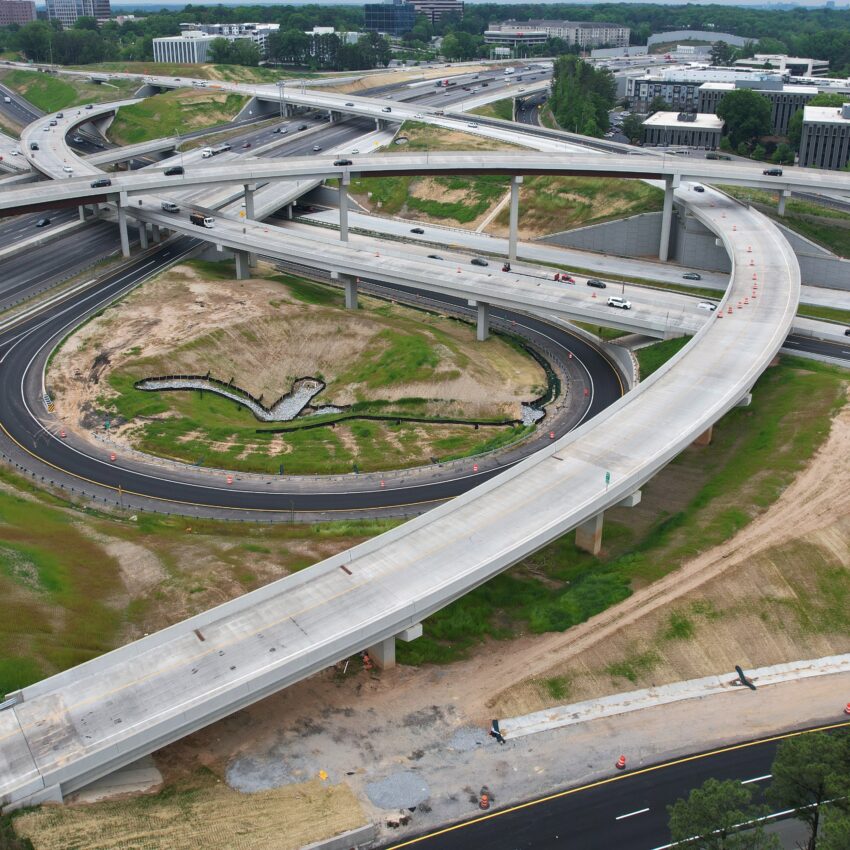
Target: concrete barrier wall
{"x":697,"y":35}
{"x":636,"y":236}
{"x":364,"y":836}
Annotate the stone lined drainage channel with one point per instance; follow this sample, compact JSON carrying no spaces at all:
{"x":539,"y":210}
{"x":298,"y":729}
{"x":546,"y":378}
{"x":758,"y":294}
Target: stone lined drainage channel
{"x":291,"y":405}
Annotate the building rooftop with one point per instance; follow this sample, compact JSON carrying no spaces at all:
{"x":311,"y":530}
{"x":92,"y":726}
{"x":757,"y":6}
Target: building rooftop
{"x":788,"y":89}
{"x":827,"y":114}
{"x":702,"y":120}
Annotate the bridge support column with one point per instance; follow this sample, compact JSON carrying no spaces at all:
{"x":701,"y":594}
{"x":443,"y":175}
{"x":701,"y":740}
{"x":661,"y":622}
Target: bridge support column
{"x":745,"y":400}
{"x":666,"y":217}
{"x":82,"y":209}
{"x":516,"y":182}
{"x":589,"y":533}
{"x":350,"y":284}
{"x":785,"y":193}
{"x":383,"y":653}
{"x":243,"y":265}
{"x":156,"y":234}
{"x":122,"y":228}
{"x":249,"y":214}
{"x":704,"y":439}
{"x":143,"y":235}
{"x":343,"y":206}
{"x":482,"y":328}
{"x":289,"y":212}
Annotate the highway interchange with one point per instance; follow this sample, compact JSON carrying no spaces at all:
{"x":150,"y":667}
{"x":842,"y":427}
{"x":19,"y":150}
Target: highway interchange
{"x":142,"y":696}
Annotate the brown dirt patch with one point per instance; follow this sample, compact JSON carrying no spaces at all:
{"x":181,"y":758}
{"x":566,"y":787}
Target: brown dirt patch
{"x":373,"y":81}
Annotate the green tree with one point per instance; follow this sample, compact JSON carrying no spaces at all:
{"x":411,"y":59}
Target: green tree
{"x":710,"y":816}
{"x":721,"y":53}
{"x":746,"y":113}
{"x":725,"y":144}
{"x":658,"y":104}
{"x":582,"y":95}
{"x":783,"y":155}
{"x":632,"y":127}
{"x":807,"y":771}
{"x":835,"y":828}
{"x":759,"y":152}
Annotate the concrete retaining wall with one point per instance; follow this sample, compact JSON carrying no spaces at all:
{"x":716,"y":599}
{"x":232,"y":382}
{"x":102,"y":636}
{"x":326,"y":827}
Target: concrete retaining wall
{"x":696,"y":35}
{"x":363,"y":836}
{"x":693,"y":245}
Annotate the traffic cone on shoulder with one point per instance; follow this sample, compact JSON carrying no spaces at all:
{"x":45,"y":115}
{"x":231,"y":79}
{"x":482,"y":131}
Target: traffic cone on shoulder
{"x":484,"y":798}
{"x":112,"y":457}
{"x":621,"y":763}
{"x":62,"y":434}
{"x":847,"y":708}
{"x":593,"y":295}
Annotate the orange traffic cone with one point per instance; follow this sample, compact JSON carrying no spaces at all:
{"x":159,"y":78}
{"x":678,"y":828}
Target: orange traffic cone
{"x":62,"y":434}
{"x":112,"y":457}
{"x":484,"y":802}
{"x":847,"y":708}
{"x":621,"y":763}
{"x":229,"y":479}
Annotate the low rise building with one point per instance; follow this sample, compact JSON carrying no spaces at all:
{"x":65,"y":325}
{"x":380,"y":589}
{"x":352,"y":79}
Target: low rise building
{"x":191,"y":48}
{"x":585,"y":34}
{"x":825,"y":142}
{"x":794,"y":65}
{"x":784,"y":99}
{"x":16,"y":12}
{"x":257,"y":33}
{"x":682,"y":128}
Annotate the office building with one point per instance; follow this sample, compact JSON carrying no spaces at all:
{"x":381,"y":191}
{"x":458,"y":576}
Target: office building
{"x":436,"y":9}
{"x":586,"y":34}
{"x":682,"y":128}
{"x":395,"y":18}
{"x":784,"y":99}
{"x":825,"y":142}
{"x":16,"y":12}
{"x":68,"y":11}
{"x":797,"y":66}
{"x":257,"y":33}
{"x":190,"y":48}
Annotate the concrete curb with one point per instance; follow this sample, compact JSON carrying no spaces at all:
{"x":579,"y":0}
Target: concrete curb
{"x":363,"y":836}
{"x":610,"y":706}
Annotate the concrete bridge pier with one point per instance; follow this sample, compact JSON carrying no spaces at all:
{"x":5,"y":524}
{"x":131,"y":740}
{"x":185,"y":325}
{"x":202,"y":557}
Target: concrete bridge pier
{"x":243,"y":265}
{"x":122,"y":229}
{"x":705,"y":438}
{"x":783,"y":195}
{"x":143,"y":235}
{"x":350,"y":284}
{"x":671,"y":183}
{"x":383,"y":653}
{"x":482,"y":328}
{"x":516,"y":182}
{"x":589,"y":533}
{"x":250,"y":188}
{"x":156,"y":234}
{"x":345,"y":182}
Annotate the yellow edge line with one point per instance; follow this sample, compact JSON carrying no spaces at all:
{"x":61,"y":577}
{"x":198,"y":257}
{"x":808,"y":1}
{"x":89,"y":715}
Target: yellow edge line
{"x":618,"y":778}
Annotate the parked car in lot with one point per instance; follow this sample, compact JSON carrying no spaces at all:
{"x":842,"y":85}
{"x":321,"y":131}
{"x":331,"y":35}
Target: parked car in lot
{"x":692,"y":276}
{"x":479,"y":261}
{"x":416,"y":230}
{"x":707,"y":306}
{"x":596,"y":283}
{"x":617,"y":301}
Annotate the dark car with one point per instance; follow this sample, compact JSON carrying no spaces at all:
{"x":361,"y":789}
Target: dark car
{"x":692,"y":276}
{"x":101,"y":182}
{"x":280,"y":130}
{"x":434,"y":257}
{"x":42,"y":222}
{"x":847,"y":332}
{"x":485,"y":85}
{"x":175,"y":169}
{"x":773,"y":172}
{"x":341,"y":162}
{"x":301,"y":127}
{"x":596,"y":282}
{"x":479,"y":261}
{"x":33,"y":146}
{"x":349,"y":103}
{"x":699,"y":188}
{"x":89,"y":106}
{"x":416,"y":230}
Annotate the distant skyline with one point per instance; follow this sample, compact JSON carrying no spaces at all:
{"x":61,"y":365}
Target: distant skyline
{"x":754,"y":4}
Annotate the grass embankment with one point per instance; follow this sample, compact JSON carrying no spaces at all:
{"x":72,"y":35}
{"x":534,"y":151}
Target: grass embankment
{"x":180,"y":110}
{"x":76,"y":583}
{"x":819,"y":223}
{"x":701,"y":499}
{"x":653,"y":357}
{"x":199,"y":811}
{"x":51,"y":93}
{"x":605,"y":334}
{"x":503,"y":109}
{"x":415,"y":373}
{"x":225,"y":73}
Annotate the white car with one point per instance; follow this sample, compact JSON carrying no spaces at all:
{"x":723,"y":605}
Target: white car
{"x":617,"y":301}
{"x":355,"y":150}
{"x":16,"y":152}
{"x":473,"y":125}
{"x":418,"y":115}
{"x":67,"y":169}
{"x":706,"y":305}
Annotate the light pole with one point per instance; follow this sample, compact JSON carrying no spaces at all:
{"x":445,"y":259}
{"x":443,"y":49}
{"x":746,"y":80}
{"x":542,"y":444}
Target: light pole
{"x":280,"y":86}
{"x":177,"y":131}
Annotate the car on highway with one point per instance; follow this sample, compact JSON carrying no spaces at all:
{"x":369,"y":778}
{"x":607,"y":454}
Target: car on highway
{"x":77,"y":140}
{"x":563,"y":276}
{"x":16,"y":152}
{"x":847,"y":332}
{"x":341,"y":162}
{"x":417,"y":230}
{"x":618,"y":301}
{"x":301,"y":127}
{"x":773,"y":172}
{"x":472,"y":125}
{"x":174,"y":170}
{"x":692,"y":276}
{"x":434,"y":257}
{"x":67,"y":169}
{"x":485,"y":85}
{"x":596,"y":283}
{"x":349,"y":103}
{"x":101,"y":183}
{"x":418,"y":115}
{"x":355,"y":150}
{"x":316,"y":148}
{"x":170,"y":207}
{"x":387,"y":109}
{"x":89,"y":106}
{"x":280,"y":130}
{"x":479,"y":261}
{"x":708,"y":306}
{"x":42,"y":222}
{"x":46,"y":129}
{"x":699,"y":188}
{"x":53,"y":122}
{"x":33,"y":146}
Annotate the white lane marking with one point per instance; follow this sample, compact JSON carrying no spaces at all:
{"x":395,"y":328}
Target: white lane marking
{"x":757,"y":779}
{"x":631,"y":814}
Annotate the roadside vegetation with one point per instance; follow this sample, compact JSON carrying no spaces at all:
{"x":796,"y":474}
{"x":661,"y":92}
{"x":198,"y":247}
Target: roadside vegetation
{"x":51,"y":93}
{"x":700,"y":500}
{"x":181,"y":110}
{"x":653,"y":357}
{"x":499,"y":109}
{"x":225,"y":73}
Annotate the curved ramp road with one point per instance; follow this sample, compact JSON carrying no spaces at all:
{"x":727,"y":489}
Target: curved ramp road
{"x":69,"y":729}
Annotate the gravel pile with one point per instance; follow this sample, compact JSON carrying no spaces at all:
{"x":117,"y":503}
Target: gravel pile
{"x":401,"y":790}
{"x":467,"y":738}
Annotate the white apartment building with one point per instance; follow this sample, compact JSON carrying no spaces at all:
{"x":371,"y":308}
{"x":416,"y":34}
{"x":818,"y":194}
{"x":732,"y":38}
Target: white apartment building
{"x":191,"y":48}
{"x":586,"y":34}
{"x":825,"y":142}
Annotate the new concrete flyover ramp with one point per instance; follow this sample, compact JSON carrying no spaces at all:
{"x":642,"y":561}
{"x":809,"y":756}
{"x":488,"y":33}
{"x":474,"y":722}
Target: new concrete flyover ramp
{"x":67,"y":730}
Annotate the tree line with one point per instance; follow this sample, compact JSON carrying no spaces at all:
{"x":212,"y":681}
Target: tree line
{"x":582,"y":96}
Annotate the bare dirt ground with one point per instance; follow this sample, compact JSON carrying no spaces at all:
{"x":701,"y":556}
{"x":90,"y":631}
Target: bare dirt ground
{"x":373,"y":81}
